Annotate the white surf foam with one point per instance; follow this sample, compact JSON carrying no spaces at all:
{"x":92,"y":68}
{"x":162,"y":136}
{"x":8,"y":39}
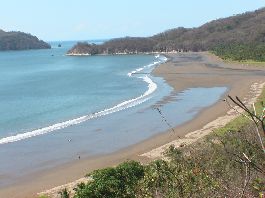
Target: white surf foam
{"x":123,"y":105}
{"x":161,"y":60}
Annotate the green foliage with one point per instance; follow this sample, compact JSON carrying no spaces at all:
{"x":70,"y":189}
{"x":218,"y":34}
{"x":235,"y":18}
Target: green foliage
{"x":157,"y":179}
{"x":260,"y":104}
{"x":241,"y":52}
{"x":43,"y":196}
{"x":64,"y":193}
{"x":226,"y":154}
{"x":182,"y":176}
{"x":113,"y":182}
{"x":235,"y":125}
{"x":259,"y":184}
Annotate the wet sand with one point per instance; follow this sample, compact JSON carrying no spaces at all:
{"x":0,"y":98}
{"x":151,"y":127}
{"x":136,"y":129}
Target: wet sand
{"x":182,"y":71}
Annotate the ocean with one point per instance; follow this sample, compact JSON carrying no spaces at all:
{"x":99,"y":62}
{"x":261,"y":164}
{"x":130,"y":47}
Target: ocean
{"x":54,"y":107}
{"x":44,"y":90}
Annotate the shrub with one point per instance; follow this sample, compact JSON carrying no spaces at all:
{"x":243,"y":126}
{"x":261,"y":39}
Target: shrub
{"x":113,"y":182}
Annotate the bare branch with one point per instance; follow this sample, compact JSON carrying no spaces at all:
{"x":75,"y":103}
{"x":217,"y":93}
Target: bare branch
{"x":251,"y":116}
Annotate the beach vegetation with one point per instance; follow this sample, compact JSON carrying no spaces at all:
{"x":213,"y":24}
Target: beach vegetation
{"x":227,"y":163}
{"x":43,"y":196}
{"x":121,"y":181}
{"x":64,"y":193}
{"x":241,"y":52}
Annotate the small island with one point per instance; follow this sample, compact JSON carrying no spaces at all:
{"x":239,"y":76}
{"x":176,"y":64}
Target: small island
{"x":20,"y":41}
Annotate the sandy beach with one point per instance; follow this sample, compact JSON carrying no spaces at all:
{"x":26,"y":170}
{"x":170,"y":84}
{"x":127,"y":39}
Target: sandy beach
{"x":182,"y":71}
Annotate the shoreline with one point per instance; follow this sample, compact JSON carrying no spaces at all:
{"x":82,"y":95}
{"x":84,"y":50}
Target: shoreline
{"x":121,"y":53}
{"x":219,"y":122}
{"x":188,"y":139}
{"x":191,"y":74}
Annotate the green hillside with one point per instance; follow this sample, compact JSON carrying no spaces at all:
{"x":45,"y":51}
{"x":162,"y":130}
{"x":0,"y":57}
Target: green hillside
{"x":247,"y":28}
{"x":20,"y":41}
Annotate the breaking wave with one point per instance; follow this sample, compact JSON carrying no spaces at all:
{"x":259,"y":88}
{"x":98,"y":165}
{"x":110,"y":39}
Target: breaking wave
{"x":121,"y":106}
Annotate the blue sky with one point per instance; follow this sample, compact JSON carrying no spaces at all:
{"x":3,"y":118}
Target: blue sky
{"x":87,"y":19}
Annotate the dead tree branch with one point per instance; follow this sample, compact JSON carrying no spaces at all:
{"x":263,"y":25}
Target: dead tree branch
{"x":258,"y":121}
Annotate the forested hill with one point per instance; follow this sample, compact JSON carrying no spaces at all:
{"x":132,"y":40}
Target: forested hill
{"x":244,"y":28}
{"x":20,"y":41}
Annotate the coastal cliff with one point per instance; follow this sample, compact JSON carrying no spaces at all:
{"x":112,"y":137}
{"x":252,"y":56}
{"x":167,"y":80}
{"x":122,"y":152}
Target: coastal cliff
{"x":20,"y":41}
{"x":243,"y":28}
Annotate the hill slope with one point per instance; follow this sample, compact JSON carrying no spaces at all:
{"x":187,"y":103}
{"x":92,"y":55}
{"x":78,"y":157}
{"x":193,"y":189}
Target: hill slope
{"x":20,"y":41}
{"x":244,"y":28}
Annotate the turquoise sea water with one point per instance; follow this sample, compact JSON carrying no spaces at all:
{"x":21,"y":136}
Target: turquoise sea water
{"x":54,"y":108}
{"x":40,"y":88}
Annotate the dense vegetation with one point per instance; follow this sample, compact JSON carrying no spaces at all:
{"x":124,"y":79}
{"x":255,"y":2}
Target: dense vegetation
{"x":228,"y":163}
{"x":115,"y":46}
{"x":20,"y":41}
{"x":244,"y":28}
{"x":241,"y":52}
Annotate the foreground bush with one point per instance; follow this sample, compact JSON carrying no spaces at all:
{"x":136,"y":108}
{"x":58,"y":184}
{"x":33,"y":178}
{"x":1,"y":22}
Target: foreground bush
{"x":113,"y":182}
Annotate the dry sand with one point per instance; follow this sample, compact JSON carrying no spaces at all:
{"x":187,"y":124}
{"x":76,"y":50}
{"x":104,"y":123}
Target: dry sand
{"x":182,"y":71}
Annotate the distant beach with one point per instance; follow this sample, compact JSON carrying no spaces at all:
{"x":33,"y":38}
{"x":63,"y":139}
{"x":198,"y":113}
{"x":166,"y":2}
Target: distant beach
{"x":183,"y":71}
